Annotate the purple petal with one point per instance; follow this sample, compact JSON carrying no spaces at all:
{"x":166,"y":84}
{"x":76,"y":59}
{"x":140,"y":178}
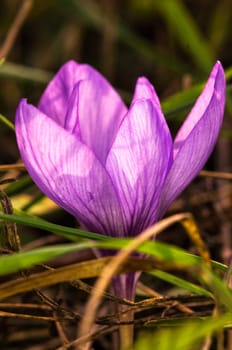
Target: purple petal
{"x":98,"y":110}
{"x":71,"y":121}
{"x":67,"y":171}
{"x":144,"y":89}
{"x":78,"y":94}
{"x":54,"y":101}
{"x":138,"y":163}
{"x":196,"y":138}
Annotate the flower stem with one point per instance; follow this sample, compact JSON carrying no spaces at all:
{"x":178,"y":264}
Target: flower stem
{"x":126,"y":332}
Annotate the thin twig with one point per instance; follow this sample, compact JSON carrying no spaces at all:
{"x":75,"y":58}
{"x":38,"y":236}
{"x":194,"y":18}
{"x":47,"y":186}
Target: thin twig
{"x":15,"y":27}
{"x":25,"y":316}
{"x":16,"y":166}
{"x":90,"y":336}
{"x":11,"y":236}
{"x":157,"y":295}
{"x":216,"y":174}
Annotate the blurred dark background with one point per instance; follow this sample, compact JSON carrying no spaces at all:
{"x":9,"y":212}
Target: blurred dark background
{"x":173,"y":42}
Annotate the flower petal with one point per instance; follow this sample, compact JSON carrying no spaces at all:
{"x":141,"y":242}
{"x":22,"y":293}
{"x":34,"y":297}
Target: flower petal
{"x":196,"y":138}
{"x":54,"y":101}
{"x":138,"y":163}
{"x":98,"y":110}
{"x":144,"y":89}
{"x":71,"y":121}
{"x":78,"y":94}
{"x":67,"y":171}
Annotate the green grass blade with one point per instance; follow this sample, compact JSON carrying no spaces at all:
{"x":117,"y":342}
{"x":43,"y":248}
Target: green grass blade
{"x":180,"y":282}
{"x":18,"y":71}
{"x":32,"y":221}
{"x":220,"y":289}
{"x":18,"y":186}
{"x":162,"y":251}
{"x":24,"y":260}
{"x":182,"y":337}
{"x":6,"y":122}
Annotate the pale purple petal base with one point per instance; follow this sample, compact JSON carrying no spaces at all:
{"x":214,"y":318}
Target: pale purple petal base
{"x":124,"y":286}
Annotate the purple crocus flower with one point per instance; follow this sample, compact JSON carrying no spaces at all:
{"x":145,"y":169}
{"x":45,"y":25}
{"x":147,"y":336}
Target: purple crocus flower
{"x":115,"y":169}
